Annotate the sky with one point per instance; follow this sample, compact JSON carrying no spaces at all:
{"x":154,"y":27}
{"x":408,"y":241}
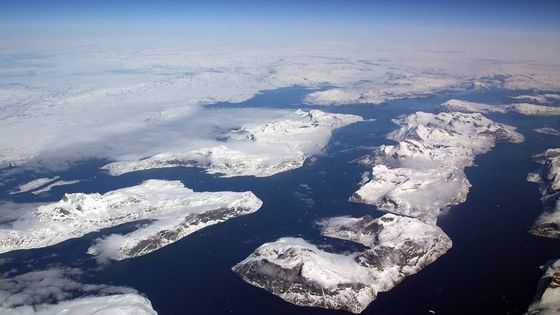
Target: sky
{"x":64,"y":17}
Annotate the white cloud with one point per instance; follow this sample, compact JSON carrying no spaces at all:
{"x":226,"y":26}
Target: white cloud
{"x":56,"y":290}
{"x":66,"y":104}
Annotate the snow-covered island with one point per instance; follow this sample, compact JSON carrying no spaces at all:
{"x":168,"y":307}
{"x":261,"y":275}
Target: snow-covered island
{"x":253,"y":150}
{"x":519,"y":108}
{"x":42,"y":185}
{"x":423,"y":174}
{"x":548,"y":131}
{"x":34,"y":184}
{"x":306,"y":275}
{"x":541,"y":99}
{"x":547,"y":297}
{"x":548,"y":223}
{"x":172,"y":211}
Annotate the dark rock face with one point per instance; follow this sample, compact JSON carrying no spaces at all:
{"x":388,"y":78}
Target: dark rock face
{"x":190,"y":223}
{"x":545,"y":229}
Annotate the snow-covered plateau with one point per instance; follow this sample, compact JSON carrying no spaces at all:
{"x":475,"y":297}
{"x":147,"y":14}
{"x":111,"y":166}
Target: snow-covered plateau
{"x":519,"y":108}
{"x":423,"y":174}
{"x":547,"y":297}
{"x":306,"y":275}
{"x":548,"y":176}
{"x":253,"y":150}
{"x":171,"y":210}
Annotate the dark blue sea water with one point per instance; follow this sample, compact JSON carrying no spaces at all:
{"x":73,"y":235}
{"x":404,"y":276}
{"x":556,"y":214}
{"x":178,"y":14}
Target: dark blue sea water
{"x":493,"y":267}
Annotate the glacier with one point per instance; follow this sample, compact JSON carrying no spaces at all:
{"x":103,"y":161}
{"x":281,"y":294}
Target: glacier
{"x":548,"y":176}
{"x":423,"y":174}
{"x":172,"y":210}
{"x":258,"y":150}
{"x":303,"y":274}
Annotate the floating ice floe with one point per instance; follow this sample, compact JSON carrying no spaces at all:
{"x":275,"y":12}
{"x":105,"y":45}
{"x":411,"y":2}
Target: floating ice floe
{"x":548,"y":223}
{"x":172,"y":211}
{"x":253,"y":150}
{"x":423,"y":174}
{"x":303,"y":274}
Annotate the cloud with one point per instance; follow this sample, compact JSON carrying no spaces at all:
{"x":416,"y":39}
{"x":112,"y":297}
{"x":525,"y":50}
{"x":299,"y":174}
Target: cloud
{"x":50,"y":291}
{"x":109,"y":102}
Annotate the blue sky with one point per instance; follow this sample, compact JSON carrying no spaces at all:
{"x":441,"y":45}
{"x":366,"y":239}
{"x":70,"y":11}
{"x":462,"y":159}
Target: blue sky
{"x":337,"y":16}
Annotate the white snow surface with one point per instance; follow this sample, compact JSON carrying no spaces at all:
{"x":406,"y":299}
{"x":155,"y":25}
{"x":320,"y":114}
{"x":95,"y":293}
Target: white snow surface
{"x":304,"y":274}
{"x":519,"y":108}
{"x":254,"y":150}
{"x":173,"y":211}
{"x":58,"y":291}
{"x":422,"y":174}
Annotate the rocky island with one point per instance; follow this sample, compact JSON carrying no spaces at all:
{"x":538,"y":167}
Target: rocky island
{"x":422,"y":174}
{"x":525,"y":109}
{"x":304,"y":274}
{"x":171,"y":210}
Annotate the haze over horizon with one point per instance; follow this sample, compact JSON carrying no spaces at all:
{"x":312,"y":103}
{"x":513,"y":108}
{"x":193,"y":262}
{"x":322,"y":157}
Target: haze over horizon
{"x":287,"y":21}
